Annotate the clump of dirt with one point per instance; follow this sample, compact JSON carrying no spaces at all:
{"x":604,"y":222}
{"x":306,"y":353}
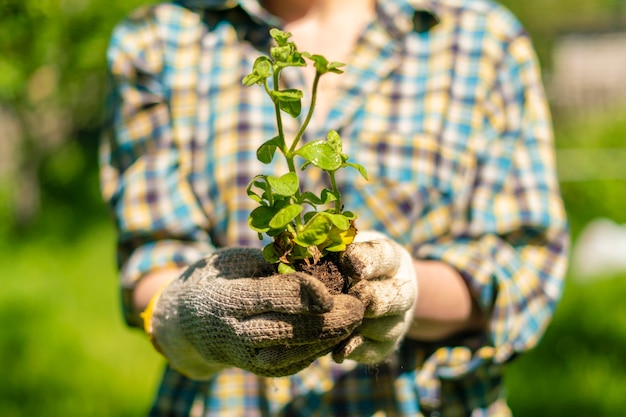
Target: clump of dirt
{"x":328,"y":273}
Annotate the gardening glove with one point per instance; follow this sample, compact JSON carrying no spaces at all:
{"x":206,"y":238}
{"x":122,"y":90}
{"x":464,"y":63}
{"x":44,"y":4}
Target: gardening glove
{"x":231,"y":310}
{"x":383,"y":278}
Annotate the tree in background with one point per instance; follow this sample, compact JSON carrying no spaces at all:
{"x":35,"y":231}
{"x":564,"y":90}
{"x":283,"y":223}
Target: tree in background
{"x":52,"y":82}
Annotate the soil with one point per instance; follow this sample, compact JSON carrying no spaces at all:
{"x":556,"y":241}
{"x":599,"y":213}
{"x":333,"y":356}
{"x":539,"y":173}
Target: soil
{"x":326,"y":270}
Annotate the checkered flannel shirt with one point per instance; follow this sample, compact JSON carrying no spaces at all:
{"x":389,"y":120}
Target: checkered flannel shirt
{"x":441,"y":101}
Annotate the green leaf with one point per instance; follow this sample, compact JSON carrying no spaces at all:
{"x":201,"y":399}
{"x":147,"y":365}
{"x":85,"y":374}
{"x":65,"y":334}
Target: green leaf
{"x":270,"y":254}
{"x":334,"y":67}
{"x":289,"y":101}
{"x":299,"y":252}
{"x":260,"y":218}
{"x":285,"y":269}
{"x":250,"y":79}
{"x":279,"y":36}
{"x":359,"y":168}
{"x":262,"y":67}
{"x":329,"y":196}
{"x":334,"y":140}
{"x":285,"y":215}
{"x":321,"y":64}
{"x":339,"y":220}
{"x":254,"y":196}
{"x":296,"y":60}
{"x":293,"y":60}
{"x":286,"y":185}
{"x":314,"y":233}
{"x":281,"y":201}
{"x":292,"y":108}
{"x":262,"y":185}
{"x":261,"y":70}
{"x":308,"y":215}
{"x":326,"y":197}
{"x":339,"y":239}
{"x":311,"y":198}
{"x":287,"y":95}
{"x":266,"y":151}
{"x":320,"y":154}
{"x":282,"y":53}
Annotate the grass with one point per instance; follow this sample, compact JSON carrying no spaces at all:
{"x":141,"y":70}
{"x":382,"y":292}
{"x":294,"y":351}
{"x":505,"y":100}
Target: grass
{"x":64,"y":349}
{"x":578,"y":368}
{"x":603,"y":194}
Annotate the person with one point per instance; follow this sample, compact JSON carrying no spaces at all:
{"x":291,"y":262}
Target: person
{"x":441,"y":101}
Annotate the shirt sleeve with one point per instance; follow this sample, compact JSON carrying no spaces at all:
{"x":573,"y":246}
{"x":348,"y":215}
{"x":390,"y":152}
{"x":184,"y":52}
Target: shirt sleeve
{"x":513,"y":251}
{"x":145,"y":159}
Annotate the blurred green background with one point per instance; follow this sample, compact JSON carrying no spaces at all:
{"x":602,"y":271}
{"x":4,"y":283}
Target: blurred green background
{"x":64,"y":350}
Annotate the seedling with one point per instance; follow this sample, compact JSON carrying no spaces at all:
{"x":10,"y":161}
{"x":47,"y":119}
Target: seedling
{"x":299,"y":235}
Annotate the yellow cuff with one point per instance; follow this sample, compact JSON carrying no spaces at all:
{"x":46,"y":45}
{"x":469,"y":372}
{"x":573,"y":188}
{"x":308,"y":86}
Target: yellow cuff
{"x":146,"y":315}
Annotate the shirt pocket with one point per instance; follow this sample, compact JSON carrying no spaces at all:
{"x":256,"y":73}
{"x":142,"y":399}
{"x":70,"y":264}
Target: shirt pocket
{"x":419,"y":185}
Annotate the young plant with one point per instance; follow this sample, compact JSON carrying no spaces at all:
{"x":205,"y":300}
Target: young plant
{"x":299,"y":235}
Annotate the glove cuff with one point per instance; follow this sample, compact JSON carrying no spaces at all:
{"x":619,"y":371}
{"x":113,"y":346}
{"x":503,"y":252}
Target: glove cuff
{"x":148,"y":313}
{"x":163,"y":326}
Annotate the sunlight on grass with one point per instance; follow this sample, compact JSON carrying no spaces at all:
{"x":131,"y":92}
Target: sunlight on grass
{"x":578,"y":369}
{"x":604,"y":193}
{"x":65,"y":350}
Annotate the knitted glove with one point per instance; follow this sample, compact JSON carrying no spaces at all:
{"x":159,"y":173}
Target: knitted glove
{"x":384,"y":280}
{"x":225,"y":311}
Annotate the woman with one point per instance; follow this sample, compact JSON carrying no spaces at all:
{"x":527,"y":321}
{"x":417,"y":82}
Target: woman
{"x":441,"y":101}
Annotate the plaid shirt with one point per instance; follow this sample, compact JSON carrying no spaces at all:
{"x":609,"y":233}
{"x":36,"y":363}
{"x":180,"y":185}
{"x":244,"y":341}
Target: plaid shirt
{"x":441,"y":101}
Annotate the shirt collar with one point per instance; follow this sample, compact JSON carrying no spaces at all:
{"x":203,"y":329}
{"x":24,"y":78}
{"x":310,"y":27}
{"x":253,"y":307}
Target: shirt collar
{"x":399,"y":16}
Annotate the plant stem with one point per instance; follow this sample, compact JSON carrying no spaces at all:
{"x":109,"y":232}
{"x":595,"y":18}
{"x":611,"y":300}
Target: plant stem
{"x":287,"y":153}
{"x":333,"y":184}
{"x":279,"y":119}
{"x":309,"y":114}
